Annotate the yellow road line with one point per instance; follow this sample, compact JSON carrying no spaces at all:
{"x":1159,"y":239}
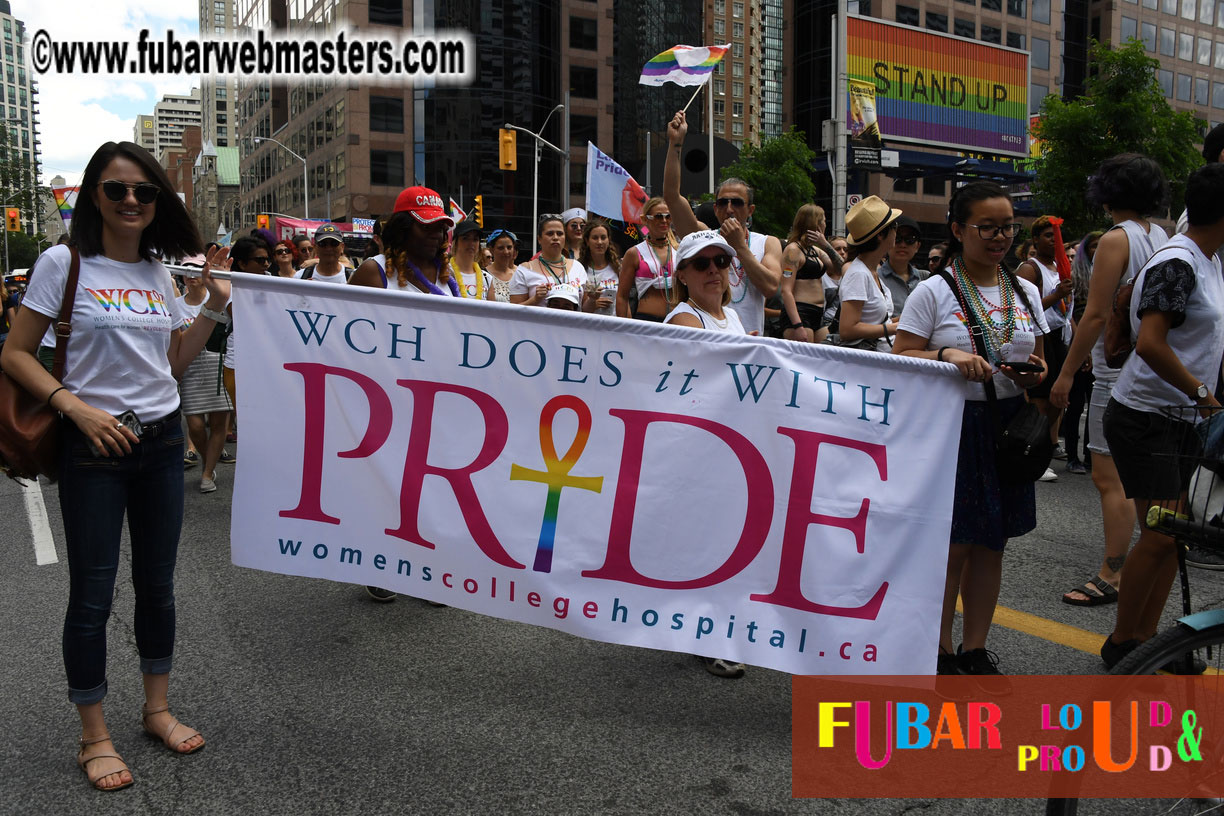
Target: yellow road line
{"x":1061,"y":633}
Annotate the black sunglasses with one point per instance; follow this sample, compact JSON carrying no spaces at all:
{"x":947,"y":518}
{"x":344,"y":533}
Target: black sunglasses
{"x":702,"y":262}
{"x":146,"y":193}
{"x":907,"y":239}
{"x":260,"y":259}
{"x":730,"y":202}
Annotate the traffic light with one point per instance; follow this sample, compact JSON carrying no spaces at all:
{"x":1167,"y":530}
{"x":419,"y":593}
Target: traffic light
{"x":261,"y":221}
{"x":480,"y":211}
{"x":12,"y":218}
{"x":507,"y":149}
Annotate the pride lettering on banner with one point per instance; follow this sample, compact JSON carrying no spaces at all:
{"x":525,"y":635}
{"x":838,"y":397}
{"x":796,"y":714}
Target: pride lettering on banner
{"x":632,"y":483}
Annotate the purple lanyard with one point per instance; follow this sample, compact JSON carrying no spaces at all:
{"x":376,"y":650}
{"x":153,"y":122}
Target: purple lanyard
{"x":433,"y":288}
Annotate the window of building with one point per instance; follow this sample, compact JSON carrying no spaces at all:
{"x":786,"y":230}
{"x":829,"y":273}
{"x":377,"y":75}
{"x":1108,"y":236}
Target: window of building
{"x":389,"y":13}
{"x":1183,"y":88}
{"x":992,"y":5}
{"x":737,"y":49}
{"x":1149,"y":4}
{"x":973,"y":2}
{"x":1219,"y":15}
{"x":1188,"y":9}
{"x":387,"y":167}
{"x":737,"y":89}
{"x":1130,"y":28}
{"x":1219,"y":55}
{"x":584,"y":81}
{"x":907,"y":15}
{"x":905,"y":186}
{"x":1041,"y":11}
{"x":1185,"y":47}
{"x":1041,"y":53}
{"x":719,"y":127}
{"x":720,"y":7}
{"x":720,"y":27}
{"x":720,"y":87}
{"x":583,"y":129}
{"x":737,"y":29}
{"x":1168,"y":42}
{"x":737,"y":109}
{"x":737,"y":69}
{"x":1017,"y":8}
{"x":1169,"y":7}
{"x":1165,"y":79}
{"x":1217,"y":95}
{"x":964,"y":28}
{"x":937,"y":22}
{"x":1202,"y":94}
{"x":584,"y":33}
{"x":991,"y":34}
{"x":1204,"y":51}
{"x":720,"y":108}
{"x":737,"y":10}
{"x":1036,"y":94}
{"x":937,"y":187}
{"x":1147,"y":33}
{"x":737,"y":128}
{"x":1015,"y":40}
{"x":1206,"y":12}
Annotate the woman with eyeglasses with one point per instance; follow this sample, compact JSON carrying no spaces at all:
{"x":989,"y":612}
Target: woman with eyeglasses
{"x":550,"y":268}
{"x":649,"y":266}
{"x":987,"y":510}
{"x":285,"y":260}
{"x":504,"y":245}
{"x":807,"y":256}
{"x":865,"y":316}
{"x":602,"y":263}
{"x":121,"y":443}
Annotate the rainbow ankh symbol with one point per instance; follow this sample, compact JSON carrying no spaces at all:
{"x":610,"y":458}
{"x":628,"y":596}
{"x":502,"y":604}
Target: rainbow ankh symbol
{"x":556,"y":475}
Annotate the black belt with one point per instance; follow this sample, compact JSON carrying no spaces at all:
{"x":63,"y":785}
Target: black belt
{"x":154,"y":429}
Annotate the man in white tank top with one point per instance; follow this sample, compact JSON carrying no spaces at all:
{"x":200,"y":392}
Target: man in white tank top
{"x":1056,"y":301}
{"x":757,"y":269}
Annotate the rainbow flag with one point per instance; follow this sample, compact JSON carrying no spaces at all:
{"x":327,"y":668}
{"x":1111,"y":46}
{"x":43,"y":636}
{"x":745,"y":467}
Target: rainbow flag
{"x":683,"y":65}
{"x":65,"y":200}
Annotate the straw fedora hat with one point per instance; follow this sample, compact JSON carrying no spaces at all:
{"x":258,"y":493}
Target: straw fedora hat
{"x":869,"y":218}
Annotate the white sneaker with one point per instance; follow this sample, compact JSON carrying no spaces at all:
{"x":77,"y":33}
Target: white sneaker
{"x":1048,"y":476}
{"x":208,"y":485}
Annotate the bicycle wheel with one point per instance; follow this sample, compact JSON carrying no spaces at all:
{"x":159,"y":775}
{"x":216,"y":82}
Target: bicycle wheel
{"x":1172,"y":644}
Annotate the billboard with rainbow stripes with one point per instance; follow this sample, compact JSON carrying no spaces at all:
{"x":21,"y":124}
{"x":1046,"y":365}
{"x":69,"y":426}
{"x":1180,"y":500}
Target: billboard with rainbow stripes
{"x":939,"y":90}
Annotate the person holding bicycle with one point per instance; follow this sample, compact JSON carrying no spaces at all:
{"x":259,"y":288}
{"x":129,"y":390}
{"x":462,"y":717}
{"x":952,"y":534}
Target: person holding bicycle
{"x":1177,"y":317}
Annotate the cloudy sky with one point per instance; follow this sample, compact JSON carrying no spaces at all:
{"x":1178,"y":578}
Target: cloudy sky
{"x":79,"y":113}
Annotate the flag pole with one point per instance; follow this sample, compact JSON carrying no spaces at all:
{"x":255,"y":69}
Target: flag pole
{"x":710,"y":128}
{"x":691,"y":98}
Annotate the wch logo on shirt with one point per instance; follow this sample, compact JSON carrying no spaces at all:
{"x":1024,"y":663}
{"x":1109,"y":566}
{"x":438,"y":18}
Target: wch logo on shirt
{"x":131,"y":301}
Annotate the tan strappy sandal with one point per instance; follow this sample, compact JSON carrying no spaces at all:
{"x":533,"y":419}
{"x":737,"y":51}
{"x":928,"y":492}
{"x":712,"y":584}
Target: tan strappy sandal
{"x":168,"y":739}
{"x":83,"y":764}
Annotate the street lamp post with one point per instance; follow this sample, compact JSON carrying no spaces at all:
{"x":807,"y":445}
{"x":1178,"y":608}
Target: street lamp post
{"x":305,"y":175}
{"x":535,"y":184}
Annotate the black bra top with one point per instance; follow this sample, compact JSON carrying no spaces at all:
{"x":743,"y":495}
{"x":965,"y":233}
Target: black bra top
{"x":812,"y":269}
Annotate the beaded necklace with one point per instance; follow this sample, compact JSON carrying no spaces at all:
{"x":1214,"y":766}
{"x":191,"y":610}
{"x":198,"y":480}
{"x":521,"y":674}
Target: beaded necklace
{"x":551,"y":269}
{"x":722,"y":324}
{"x":738,"y":269}
{"x":428,"y":285}
{"x":463,"y":287}
{"x":994,"y":335}
{"x":665,"y":269}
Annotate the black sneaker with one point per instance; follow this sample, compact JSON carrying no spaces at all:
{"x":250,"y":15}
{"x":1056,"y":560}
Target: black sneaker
{"x":946,"y":663}
{"x":381,"y":595}
{"x":977,"y":661}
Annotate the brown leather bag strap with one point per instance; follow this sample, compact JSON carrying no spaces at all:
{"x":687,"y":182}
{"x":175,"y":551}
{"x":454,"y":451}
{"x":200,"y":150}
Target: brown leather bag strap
{"x":63,"y":325}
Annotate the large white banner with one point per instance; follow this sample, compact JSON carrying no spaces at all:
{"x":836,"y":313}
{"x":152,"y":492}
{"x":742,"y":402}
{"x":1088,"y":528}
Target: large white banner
{"x":779,"y":504}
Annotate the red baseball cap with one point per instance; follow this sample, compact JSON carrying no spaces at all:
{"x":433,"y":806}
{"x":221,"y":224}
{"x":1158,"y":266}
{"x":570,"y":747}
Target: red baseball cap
{"x":424,"y":204}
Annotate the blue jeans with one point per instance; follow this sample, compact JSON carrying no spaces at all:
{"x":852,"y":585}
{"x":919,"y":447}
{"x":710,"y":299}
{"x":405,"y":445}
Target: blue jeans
{"x":95,"y":493}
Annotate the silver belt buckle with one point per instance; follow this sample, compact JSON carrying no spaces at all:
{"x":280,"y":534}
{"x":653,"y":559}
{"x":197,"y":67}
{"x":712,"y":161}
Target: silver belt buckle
{"x":132,"y":423}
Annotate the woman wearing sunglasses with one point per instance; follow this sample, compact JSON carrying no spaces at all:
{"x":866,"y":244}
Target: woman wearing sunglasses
{"x":703,"y":286}
{"x":121,"y":446}
{"x":504,"y":245}
{"x":866,"y":313}
{"x":284,"y":260}
{"x":649,"y":266}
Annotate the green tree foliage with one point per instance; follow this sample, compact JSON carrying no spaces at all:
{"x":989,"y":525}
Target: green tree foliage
{"x":1122,"y":111}
{"x":24,"y":249}
{"x":780,"y":173}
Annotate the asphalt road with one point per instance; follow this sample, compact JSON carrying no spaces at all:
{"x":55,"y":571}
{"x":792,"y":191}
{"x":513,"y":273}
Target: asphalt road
{"x":316,"y":700}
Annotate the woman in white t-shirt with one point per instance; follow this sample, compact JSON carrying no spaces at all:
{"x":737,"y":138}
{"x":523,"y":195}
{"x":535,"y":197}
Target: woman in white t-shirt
{"x":121,"y":448}
{"x":986,"y":510}
{"x":1166,"y":385}
{"x":473,"y":281}
{"x":504,"y":245}
{"x":532,"y":280}
{"x":866,"y":312}
{"x":602,"y":262}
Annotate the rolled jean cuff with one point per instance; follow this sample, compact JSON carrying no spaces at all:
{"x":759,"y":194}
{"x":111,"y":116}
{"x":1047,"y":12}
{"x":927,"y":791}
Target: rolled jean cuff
{"x":87,"y":696}
{"x":156,"y":665}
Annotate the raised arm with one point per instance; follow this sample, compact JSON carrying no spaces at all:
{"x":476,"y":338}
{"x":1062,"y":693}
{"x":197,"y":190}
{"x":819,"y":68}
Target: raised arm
{"x":684,"y":220}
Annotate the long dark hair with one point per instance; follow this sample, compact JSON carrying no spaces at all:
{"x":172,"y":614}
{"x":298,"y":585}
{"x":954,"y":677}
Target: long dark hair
{"x":396,"y":233}
{"x":961,"y":204}
{"x":244,"y":249}
{"x":171,"y":234}
{"x":584,"y":252}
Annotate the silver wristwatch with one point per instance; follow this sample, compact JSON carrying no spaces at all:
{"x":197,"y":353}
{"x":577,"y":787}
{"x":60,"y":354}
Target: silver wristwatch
{"x":219,"y":317}
{"x":1201,"y":393}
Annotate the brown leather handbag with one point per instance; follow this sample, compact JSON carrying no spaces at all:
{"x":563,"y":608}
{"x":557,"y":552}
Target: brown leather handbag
{"x":29,"y":428}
